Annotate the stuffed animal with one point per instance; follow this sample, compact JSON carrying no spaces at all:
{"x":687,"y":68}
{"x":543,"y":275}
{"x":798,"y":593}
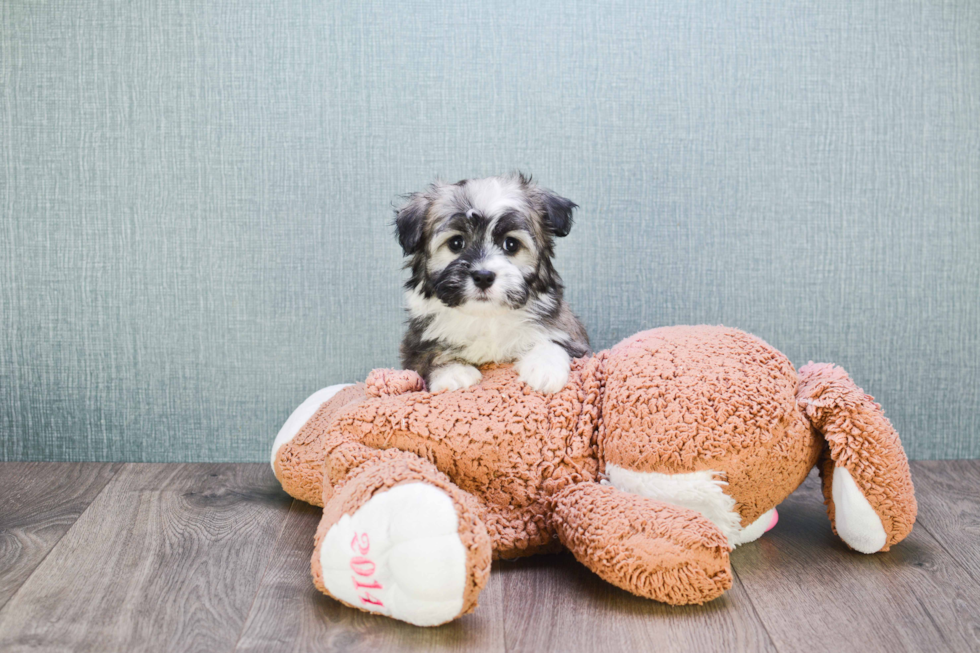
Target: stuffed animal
{"x":657,"y":458}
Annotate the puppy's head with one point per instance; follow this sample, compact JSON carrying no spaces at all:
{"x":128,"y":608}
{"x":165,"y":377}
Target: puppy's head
{"x":483,"y":245}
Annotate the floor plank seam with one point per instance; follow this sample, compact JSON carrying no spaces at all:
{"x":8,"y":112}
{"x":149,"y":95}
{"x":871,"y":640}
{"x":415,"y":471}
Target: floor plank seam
{"x":951,"y":555}
{"x":114,"y":472}
{"x":265,"y":570}
{"x":755,"y":610}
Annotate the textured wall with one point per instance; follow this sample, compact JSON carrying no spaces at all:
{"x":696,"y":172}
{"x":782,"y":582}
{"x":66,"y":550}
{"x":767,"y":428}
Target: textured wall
{"x":195,"y":196}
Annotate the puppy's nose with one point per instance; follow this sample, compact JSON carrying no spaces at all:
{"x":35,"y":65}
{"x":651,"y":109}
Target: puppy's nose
{"x":483,"y":278}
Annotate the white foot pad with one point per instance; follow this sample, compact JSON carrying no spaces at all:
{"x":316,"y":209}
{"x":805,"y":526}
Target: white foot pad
{"x":754,"y":531}
{"x":399,"y":555}
{"x":856,"y":521}
{"x":302,"y":415}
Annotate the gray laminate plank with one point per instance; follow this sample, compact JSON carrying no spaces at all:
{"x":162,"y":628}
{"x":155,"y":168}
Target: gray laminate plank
{"x":553,"y":603}
{"x":38,"y":504}
{"x":167,"y":557}
{"x":289,"y":614}
{"x":948,"y":492}
{"x":814,"y":594}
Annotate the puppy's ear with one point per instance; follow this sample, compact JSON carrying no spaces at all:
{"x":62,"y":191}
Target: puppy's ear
{"x":410,"y":223}
{"x":557,"y":212}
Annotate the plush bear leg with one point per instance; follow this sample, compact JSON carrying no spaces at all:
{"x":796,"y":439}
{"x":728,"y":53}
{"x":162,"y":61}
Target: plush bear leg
{"x":644,"y":546}
{"x":398,"y":538}
{"x":867,"y":485}
{"x":298,"y":451}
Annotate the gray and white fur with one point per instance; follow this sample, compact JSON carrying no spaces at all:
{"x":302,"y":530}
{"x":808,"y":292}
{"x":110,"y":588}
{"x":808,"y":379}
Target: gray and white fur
{"x":483,"y":287}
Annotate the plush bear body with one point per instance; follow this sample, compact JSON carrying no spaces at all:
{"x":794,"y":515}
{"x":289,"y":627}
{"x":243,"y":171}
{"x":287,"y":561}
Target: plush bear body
{"x":512,"y":448}
{"x":657,"y":457}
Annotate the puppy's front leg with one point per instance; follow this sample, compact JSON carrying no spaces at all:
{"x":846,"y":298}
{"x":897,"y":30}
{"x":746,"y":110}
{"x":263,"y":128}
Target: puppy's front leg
{"x":545,"y":367}
{"x":453,"y":376}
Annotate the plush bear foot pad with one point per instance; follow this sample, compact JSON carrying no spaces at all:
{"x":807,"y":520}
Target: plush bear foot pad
{"x":856,"y":521}
{"x":399,"y":555}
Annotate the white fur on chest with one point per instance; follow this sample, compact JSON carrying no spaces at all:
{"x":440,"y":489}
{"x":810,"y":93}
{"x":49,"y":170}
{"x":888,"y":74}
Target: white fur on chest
{"x":494,"y":335}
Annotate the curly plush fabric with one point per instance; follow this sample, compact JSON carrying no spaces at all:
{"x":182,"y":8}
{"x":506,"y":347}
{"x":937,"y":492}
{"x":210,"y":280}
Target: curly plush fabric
{"x":861,"y":439}
{"x":381,"y":383}
{"x":643,"y":546}
{"x":390,"y":469}
{"x":709,"y":427}
{"x":299,"y":463}
{"x":511,"y":447}
{"x":708,"y":398}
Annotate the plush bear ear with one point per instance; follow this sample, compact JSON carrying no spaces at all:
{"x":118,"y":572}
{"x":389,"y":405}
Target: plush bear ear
{"x":410,"y":223}
{"x":557,"y":212}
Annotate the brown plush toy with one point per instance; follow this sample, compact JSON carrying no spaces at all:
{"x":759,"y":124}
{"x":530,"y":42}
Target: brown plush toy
{"x":656,"y":459}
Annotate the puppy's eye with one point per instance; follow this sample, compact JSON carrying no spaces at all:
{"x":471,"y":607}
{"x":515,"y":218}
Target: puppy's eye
{"x":511,"y":245}
{"x":456,"y":244}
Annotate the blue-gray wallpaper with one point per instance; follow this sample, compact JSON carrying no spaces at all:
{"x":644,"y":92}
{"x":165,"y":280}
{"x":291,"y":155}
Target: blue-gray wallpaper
{"x":195,"y":197}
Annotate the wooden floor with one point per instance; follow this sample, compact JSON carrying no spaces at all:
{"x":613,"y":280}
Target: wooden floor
{"x":131,"y":557}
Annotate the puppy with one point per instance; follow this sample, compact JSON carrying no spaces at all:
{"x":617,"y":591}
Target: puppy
{"x":483,"y":288}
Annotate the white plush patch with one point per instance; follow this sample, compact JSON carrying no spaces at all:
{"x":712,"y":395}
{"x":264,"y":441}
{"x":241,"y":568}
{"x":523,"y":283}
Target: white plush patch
{"x":545,"y":368}
{"x":753,"y":531}
{"x":301,"y":416}
{"x":399,"y":555}
{"x":454,"y":376}
{"x":856,"y":521}
{"x":701,"y":491}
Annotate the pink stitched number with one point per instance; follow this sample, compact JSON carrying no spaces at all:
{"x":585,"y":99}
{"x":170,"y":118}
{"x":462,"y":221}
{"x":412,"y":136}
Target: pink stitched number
{"x":364,"y":567}
{"x":362,"y":546}
{"x":367,"y":598}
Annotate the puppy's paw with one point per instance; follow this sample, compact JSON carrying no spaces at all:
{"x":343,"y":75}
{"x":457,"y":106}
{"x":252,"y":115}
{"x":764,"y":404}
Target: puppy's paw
{"x":454,"y":376}
{"x":545,"y":368}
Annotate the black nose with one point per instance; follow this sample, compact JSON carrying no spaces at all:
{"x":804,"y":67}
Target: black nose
{"x":483,"y":278}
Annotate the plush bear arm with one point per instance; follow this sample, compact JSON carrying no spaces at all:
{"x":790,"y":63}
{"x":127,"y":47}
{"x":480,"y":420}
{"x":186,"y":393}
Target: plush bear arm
{"x":385,"y":382}
{"x":300,"y":448}
{"x":308,"y":435}
{"x":867,"y":484}
{"x":646,"y":547}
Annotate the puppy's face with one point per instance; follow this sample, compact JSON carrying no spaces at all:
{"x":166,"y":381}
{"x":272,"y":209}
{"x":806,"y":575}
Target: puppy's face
{"x":483,"y":245}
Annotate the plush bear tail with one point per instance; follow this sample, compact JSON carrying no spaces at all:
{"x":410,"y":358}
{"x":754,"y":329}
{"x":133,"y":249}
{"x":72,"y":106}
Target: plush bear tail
{"x":867,"y":485}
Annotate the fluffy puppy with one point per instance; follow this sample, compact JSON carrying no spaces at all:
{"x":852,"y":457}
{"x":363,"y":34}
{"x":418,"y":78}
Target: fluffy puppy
{"x":482,"y":287}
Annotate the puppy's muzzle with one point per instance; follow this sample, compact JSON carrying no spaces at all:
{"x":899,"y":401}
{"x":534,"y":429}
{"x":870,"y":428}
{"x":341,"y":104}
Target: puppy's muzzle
{"x":483,"y":279}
